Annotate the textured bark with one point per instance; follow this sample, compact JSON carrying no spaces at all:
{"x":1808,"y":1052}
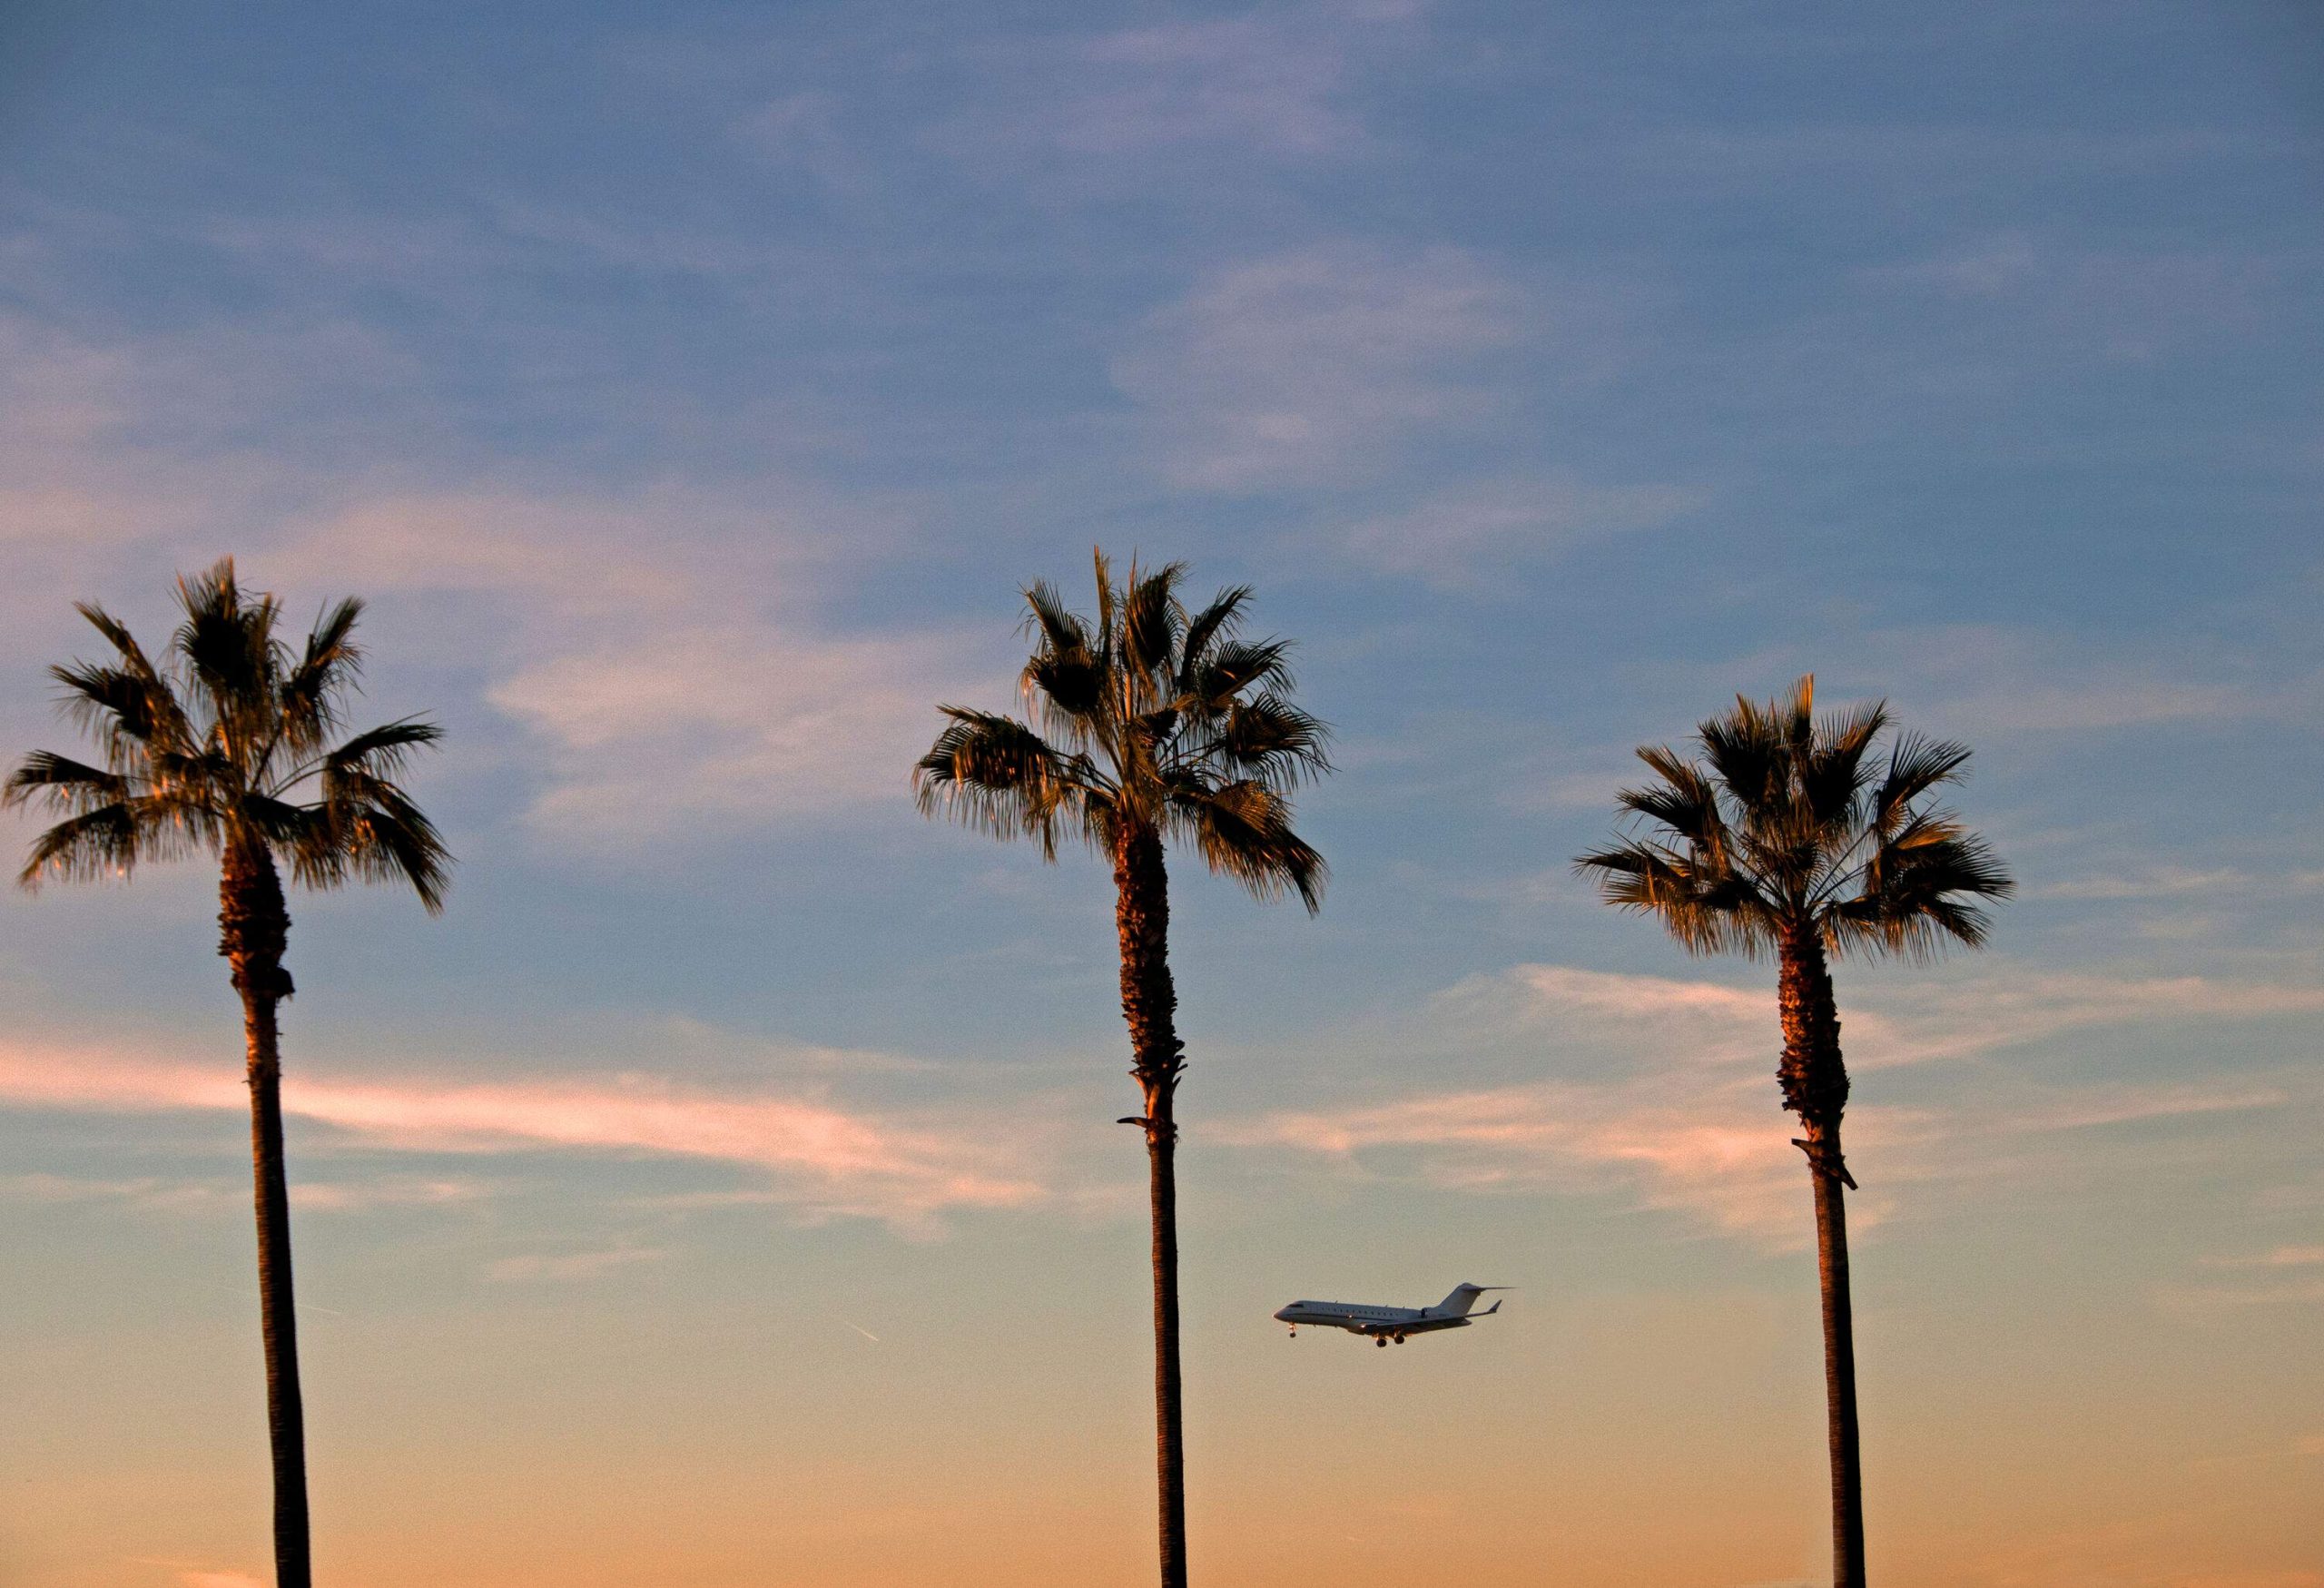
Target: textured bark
{"x":1815,"y":1081}
{"x":255,"y":928}
{"x":1149,"y":1005}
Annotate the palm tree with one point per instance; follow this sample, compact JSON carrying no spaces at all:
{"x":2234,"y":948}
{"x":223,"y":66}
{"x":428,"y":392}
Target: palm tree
{"x":1155,"y":724}
{"x":227,"y":748}
{"x":1792,"y":837}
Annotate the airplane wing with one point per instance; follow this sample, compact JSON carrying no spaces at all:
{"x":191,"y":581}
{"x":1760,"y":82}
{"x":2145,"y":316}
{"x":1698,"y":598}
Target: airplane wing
{"x":1423,"y":1326}
{"x":1411,"y":1326}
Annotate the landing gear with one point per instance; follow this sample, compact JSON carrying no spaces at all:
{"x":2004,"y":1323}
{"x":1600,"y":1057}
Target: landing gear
{"x":1400,"y":1339}
{"x":1381,"y":1340}
{"x":1294,"y":1331}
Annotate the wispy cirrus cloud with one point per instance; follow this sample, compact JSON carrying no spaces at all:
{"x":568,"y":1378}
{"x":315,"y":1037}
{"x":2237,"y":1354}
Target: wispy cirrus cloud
{"x":1253,"y":81}
{"x":2298,"y":1291}
{"x":820,"y":1157}
{"x":2153,"y":882}
{"x":147,"y":1193}
{"x":155,"y":1193}
{"x":729,"y":725}
{"x":2077,"y":301}
{"x":664,"y":650}
{"x":378,"y":1192}
{"x":658,"y":701}
{"x":2282,"y":1257}
{"x":1303,"y":367}
{"x":667,"y":650}
{"x":566,"y":1268}
{"x":1982,"y":680}
{"x":1274,"y":83}
{"x":1995,"y":677}
{"x":1457,"y":539}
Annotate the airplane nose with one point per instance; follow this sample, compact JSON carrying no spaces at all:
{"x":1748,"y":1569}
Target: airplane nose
{"x":1281,"y":1314}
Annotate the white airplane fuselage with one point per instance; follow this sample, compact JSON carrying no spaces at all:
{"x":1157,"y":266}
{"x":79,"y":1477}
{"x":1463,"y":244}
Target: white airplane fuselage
{"x":1383,"y":1323}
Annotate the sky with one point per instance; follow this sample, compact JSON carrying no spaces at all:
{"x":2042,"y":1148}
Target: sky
{"x":724,"y":1190}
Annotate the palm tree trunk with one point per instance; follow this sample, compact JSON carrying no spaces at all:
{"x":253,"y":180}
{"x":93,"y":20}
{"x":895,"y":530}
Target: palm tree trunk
{"x":1149,"y":1005}
{"x":1816,"y":1086}
{"x":255,"y":930}
{"x":1839,"y":1373}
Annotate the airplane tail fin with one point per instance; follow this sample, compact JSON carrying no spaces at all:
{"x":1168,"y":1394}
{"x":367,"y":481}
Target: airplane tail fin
{"x":1462,"y":1298}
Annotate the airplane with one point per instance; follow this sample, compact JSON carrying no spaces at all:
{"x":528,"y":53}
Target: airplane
{"x":1384,"y":1324}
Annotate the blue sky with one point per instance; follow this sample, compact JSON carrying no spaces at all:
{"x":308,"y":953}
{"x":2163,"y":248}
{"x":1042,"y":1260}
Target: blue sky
{"x":690,"y":391}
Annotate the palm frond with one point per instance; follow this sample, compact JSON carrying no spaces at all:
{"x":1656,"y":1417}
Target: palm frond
{"x":1059,"y":628}
{"x":996,"y":773}
{"x":1834,"y":772}
{"x":155,"y":714}
{"x":62,"y":783}
{"x":1708,"y":908}
{"x":207,"y":777}
{"x":189,"y":752}
{"x":1789,"y":824}
{"x":1237,"y":665}
{"x":1108,"y":611}
{"x":110,"y":840}
{"x":397,"y":844}
{"x":1919,"y":892}
{"x":1686,"y":802}
{"x":230,"y":647}
{"x":1150,"y":618}
{"x":1243,"y":830}
{"x":1145,"y":719}
{"x":365,"y":826}
{"x":1795,"y":719}
{"x":1069,"y":689}
{"x":98,"y":843}
{"x":127,"y":712}
{"x":329,"y":665}
{"x":1271,"y":740}
{"x":1915,"y":766}
{"x":1747,"y":754}
{"x":381,"y":752}
{"x":1214,"y":623}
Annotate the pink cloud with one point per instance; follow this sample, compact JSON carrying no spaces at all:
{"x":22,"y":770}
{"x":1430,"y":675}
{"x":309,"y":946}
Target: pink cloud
{"x":824,"y":1157}
{"x":1886,"y":1020}
{"x":2282,"y":1257}
{"x":191,"y":1576}
{"x":1724,"y":1154}
{"x":1668,"y":1097}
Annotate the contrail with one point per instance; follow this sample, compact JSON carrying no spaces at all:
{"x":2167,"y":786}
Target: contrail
{"x":859,"y":1329}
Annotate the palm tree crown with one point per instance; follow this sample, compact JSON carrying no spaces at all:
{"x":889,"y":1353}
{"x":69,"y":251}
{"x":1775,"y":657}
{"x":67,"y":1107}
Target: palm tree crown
{"x":228,"y":745}
{"x":1793,"y":828}
{"x":1155,"y":721}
